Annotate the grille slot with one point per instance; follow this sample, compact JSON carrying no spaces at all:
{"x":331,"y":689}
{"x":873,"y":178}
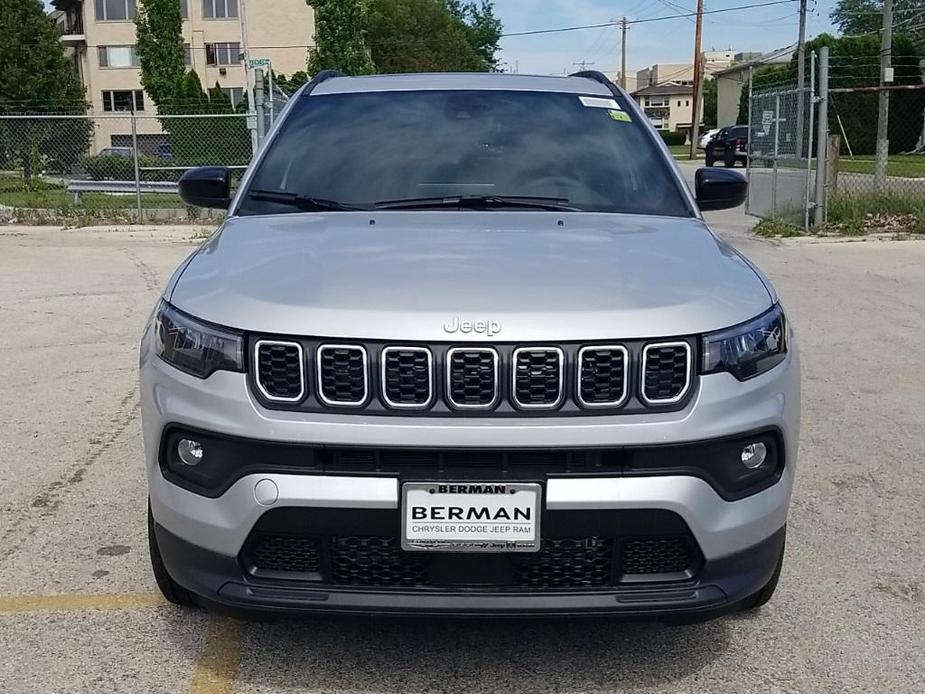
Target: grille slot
{"x":574,"y":562}
{"x":342,"y":375}
{"x":472,"y":377}
{"x":374,"y":561}
{"x":656,"y":556}
{"x":280,"y":370}
{"x":407,"y":376}
{"x":602,"y":376}
{"x":666,"y":369}
{"x":538,"y":373}
{"x":290,"y":554}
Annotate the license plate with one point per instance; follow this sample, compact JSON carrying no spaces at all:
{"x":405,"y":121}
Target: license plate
{"x":471,"y":517}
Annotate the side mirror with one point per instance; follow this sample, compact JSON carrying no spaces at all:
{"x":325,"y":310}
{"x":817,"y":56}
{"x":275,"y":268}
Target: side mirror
{"x":207,"y":186}
{"x":719,"y":189}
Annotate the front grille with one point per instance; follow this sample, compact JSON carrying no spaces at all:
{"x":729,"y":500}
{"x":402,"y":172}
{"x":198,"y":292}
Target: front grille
{"x":377,"y":561}
{"x":670,"y":555}
{"x":538,"y":377}
{"x":501,"y":380}
{"x":666,"y":372}
{"x":407,"y":376}
{"x":342,"y":377}
{"x":602,"y":376}
{"x":280,"y":370}
{"x":472,"y":377}
{"x":284,"y":553}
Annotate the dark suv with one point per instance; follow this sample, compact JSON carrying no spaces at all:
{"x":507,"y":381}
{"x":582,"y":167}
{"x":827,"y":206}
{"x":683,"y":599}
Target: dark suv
{"x":729,"y":146}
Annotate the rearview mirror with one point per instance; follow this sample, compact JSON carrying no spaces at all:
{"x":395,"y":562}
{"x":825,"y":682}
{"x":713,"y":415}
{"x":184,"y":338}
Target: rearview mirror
{"x":207,"y":186}
{"x":719,"y":189}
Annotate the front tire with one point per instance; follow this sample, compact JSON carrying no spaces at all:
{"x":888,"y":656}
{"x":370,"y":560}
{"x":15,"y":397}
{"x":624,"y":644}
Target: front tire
{"x":710,"y":160}
{"x":729,"y":160}
{"x":756,"y":600}
{"x":171,"y":590}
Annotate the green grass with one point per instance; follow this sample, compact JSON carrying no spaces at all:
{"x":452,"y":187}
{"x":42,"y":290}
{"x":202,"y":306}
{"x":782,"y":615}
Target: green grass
{"x":683,"y":152}
{"x":43,"y":195}
{"x":898,"y":165}
{"x":858,"y":214}
{"x":776,"y":228}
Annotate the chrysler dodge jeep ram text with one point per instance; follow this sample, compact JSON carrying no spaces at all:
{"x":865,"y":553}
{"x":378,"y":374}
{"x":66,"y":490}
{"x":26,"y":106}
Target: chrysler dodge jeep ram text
{"x":465,"y":345}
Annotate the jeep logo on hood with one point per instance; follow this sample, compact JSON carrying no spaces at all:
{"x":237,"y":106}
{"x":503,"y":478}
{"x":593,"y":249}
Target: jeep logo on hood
{"x":484,"y":327}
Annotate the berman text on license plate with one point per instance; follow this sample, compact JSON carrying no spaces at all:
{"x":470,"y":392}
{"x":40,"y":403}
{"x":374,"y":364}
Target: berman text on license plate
{"x":471,"y":517}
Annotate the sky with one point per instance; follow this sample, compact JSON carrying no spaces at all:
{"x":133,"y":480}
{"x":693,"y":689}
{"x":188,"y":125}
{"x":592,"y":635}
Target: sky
{"x":671,"y":41}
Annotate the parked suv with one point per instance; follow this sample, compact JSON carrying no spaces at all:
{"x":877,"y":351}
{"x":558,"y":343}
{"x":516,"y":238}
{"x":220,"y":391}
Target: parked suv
{"x":729,"y":145}
{"x":466,"y":346}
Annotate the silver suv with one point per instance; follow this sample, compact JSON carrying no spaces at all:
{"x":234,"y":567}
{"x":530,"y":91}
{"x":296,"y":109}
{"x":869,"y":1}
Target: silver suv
{"x":466,"y":346}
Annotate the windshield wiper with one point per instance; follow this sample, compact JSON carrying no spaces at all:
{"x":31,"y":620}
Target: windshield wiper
{"x":479,"y":202}
{"x":306,"y":203}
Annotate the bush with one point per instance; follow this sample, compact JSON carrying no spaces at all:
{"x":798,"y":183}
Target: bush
{"x":113,"y":168}
{"x":673,"y":138}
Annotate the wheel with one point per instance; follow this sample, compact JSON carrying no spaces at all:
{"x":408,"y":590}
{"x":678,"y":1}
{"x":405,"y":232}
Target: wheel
{"x":710,"y":160}
{"x":170,"y":589}
{"x":729,"y":160}
{"x":756,"y":600}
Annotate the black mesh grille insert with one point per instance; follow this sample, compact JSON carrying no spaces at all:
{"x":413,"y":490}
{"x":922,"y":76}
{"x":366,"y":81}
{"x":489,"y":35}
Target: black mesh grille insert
{"x":407,"y":376}
{"x":473,"y":377}
{"x":537,"y":377}
{"x":279,"y":370}
{"x":656,"y":556}
{"x":666,"y":372}
{"x":342,"y":374}
{"x":374,"y":561}
{"x":567,"y":563}
{"x":285,"y":553}
{"x":602,"y":375}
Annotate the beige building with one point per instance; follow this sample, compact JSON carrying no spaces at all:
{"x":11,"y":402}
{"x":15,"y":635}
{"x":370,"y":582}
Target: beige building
{"x":219,"y":36}
{"x":668,"y":106}
{"x":733,"y":80}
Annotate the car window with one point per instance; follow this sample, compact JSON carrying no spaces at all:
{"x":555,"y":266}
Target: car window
{"x":362,"y":148}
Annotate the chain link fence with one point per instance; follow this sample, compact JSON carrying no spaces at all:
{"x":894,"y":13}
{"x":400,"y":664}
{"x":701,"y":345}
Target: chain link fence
{"x":780,"y":154}
{"x":121,"y":166}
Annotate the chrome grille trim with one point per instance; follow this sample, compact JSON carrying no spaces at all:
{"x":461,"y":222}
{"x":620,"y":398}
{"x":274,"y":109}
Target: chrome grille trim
{"x":430,"y":378}
{"x":343,"y":403}
{"x":687,"y":374}
{"x":561,"y":393}
{"x":449,"y":373}
{"x":263,"y":391}
{"x":626,"y":373}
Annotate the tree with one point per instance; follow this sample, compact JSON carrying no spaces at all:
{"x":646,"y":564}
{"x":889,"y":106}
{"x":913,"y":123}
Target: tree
{"x":340,"y":29}
{"x":420,"y":36}
{"x":159,"y":32}
{"x":36,"y":77}
{"x":482,"y":28}
{"x":855,"y":17}
{"x":710,"y":103}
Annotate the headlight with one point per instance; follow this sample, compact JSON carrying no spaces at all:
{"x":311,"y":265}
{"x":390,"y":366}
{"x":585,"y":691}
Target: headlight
{"x":197,"y":348}
{"x":748,"y":349}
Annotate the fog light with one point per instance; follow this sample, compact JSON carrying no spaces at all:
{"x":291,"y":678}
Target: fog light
{"x":754,"y":454}
{"x":190,"y":452}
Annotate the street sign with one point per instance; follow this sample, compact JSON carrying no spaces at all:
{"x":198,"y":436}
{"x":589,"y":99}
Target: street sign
{"x":258,"y":62}
{"x":767,"y":117}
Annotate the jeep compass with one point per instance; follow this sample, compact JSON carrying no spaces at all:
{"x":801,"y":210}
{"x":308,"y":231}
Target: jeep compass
{"x":464,"y":345}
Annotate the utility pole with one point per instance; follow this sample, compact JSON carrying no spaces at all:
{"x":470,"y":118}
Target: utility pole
{"x":883,"y":116}
{"x":801,"y":79}
{"x":583,"y":64}
{"x":698,"y":81}
{"x":623,"y":54}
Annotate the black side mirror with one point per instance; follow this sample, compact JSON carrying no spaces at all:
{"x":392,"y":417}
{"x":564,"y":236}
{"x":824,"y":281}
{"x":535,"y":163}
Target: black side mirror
{"x":719,"y":189}
{"x":207,"y":186}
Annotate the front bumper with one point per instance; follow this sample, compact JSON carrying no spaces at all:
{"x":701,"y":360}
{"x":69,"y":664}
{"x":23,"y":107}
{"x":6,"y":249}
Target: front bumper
{"x":201,"y":538}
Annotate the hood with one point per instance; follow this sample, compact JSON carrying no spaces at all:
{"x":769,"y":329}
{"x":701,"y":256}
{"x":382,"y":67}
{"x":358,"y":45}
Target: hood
{"x":522,"y":276}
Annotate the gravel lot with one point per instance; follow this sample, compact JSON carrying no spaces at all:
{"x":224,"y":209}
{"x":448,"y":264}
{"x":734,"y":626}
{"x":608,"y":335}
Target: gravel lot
{"x":78,"y":611}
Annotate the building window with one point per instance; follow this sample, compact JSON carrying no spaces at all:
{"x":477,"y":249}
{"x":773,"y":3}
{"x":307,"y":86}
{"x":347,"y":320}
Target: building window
{"x":124,"y":100}
{"x":115,"y":10}
{"x":118,"y":56}
{"x":223,"y":53}
{"x":187,"y":54}
{"x":184,"y":9}
{"x":679,"y":103}
{"x":219,"y":9}
{"x":687,"y":102}
{"x":235,"y":94}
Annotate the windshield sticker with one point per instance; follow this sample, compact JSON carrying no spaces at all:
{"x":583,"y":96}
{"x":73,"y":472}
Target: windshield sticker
{"x":598,"y":102}
{"x":620,"y":116}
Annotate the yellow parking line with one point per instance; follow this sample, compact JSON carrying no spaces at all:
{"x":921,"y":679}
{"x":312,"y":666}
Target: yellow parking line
{"x":73,"y":602}
{"x":218,"y":663}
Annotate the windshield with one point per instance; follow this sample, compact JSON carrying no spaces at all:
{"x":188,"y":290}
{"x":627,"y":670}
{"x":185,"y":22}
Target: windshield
{"x":459,"y":149}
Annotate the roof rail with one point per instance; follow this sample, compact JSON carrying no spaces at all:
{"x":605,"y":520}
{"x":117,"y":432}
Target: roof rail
{"x":595,"y":75}
{"x":319,"y":78}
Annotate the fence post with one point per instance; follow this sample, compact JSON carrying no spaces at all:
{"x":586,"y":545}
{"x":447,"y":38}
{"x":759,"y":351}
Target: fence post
{"x":809,"y":147}
{"x":833,"y":154}
{"x":259,"y":106}
{"x":822,"y":135}
{"x":135,"y":158}
{"x":776,"y":155}
{"x":748,"y":146}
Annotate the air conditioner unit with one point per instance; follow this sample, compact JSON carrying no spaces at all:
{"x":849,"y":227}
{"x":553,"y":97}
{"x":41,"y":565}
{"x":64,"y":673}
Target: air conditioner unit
{"x":222,"y":71}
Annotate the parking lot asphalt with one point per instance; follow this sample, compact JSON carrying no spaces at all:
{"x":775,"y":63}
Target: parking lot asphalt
{"x":79,"y":610}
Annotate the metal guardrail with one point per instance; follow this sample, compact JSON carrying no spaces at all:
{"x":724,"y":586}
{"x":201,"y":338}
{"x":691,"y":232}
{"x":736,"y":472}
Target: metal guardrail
{"x":78,"y":187}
